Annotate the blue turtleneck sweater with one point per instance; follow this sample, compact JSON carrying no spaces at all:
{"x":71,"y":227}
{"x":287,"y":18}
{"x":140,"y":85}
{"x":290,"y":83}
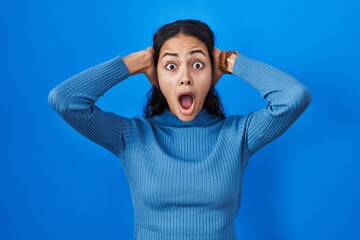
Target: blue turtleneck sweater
{"x":184,"y":177}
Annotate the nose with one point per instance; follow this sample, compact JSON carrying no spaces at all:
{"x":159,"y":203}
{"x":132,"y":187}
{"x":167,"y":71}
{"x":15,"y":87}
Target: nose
{"x":186,"y":82}
{"x":185,"y":78}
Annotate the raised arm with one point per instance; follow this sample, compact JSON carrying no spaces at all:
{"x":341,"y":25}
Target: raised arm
{"x":286,"y":99}
{"x":75,"y":98}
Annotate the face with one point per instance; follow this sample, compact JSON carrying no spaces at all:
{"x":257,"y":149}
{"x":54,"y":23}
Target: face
{"x":184,"y":74}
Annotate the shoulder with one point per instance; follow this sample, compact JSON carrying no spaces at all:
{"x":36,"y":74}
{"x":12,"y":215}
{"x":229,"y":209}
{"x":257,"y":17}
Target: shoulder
{"x":237,"y":122}
{"x":137,"y":123}
{"x":232,"y":127}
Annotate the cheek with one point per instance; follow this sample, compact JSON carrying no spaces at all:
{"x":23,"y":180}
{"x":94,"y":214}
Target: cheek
{"x":167,"y":84}
{"x":205,"y":83}
{"x":163,"y":79}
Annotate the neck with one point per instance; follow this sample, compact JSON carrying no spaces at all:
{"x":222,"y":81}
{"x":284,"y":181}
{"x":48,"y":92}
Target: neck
{"x":167,"y":118}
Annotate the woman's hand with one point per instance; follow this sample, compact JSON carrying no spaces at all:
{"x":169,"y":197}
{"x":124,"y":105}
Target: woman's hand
{"x":216,"y":70}
{"x":217,"y":73}
{"x":142,"y":62}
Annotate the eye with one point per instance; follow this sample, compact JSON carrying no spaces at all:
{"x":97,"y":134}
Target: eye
{"x":198,"y":65}
{"x":170,"y":66}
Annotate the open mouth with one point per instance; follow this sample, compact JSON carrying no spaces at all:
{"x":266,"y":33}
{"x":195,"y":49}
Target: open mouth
{"x":186,"y":103}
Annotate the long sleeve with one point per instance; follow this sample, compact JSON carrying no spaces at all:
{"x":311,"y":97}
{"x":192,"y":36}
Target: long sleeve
{"x":287,"y":99}
{"x":75,"y":100}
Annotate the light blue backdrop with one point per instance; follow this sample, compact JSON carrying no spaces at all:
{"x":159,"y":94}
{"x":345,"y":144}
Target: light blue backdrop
{"x":55,"y":184}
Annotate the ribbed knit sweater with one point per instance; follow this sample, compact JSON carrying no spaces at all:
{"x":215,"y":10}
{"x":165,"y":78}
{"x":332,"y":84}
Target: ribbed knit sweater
{"x":184,"y":177}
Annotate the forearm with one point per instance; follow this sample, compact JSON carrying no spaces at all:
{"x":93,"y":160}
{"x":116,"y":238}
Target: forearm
{"x":280,"y":89}
{"x":287,"y":99}
{"x":75,"y":100}
{"x":82,"y":90}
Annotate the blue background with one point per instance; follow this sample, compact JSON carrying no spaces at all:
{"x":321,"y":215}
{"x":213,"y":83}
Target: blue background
{"x":55,"y":184}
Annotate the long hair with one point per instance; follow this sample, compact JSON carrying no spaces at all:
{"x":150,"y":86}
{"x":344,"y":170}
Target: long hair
{"x":156,"y":103}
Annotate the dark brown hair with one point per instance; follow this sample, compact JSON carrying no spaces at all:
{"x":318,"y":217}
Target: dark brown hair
{"x":156,"y":103}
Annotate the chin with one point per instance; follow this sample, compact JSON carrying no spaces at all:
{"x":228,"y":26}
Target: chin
{"x":185,"y":118}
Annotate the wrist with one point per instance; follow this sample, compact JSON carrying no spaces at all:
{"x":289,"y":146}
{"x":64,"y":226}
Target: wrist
{"x":138,"y":62}
{"x":227,"y":60}
{"x":231,"y":62}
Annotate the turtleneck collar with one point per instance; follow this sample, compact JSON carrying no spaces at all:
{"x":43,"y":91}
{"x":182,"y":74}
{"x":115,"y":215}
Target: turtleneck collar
{"x":204,"y":118}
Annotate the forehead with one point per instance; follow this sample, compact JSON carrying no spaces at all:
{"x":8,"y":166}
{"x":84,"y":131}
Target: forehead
{"x":183,"y":42}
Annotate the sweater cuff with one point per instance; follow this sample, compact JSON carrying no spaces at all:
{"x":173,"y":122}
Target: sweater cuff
{"x":238,"y":68}
{"x":120,"y":69}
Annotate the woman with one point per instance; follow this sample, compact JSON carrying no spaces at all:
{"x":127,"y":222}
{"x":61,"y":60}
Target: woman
{"x":184,"y":160}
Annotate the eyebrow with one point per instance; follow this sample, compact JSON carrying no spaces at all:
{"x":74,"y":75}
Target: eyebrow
{"x":170,"y":54}
{"x":177,"y":55}
{"x":197,"y":51}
